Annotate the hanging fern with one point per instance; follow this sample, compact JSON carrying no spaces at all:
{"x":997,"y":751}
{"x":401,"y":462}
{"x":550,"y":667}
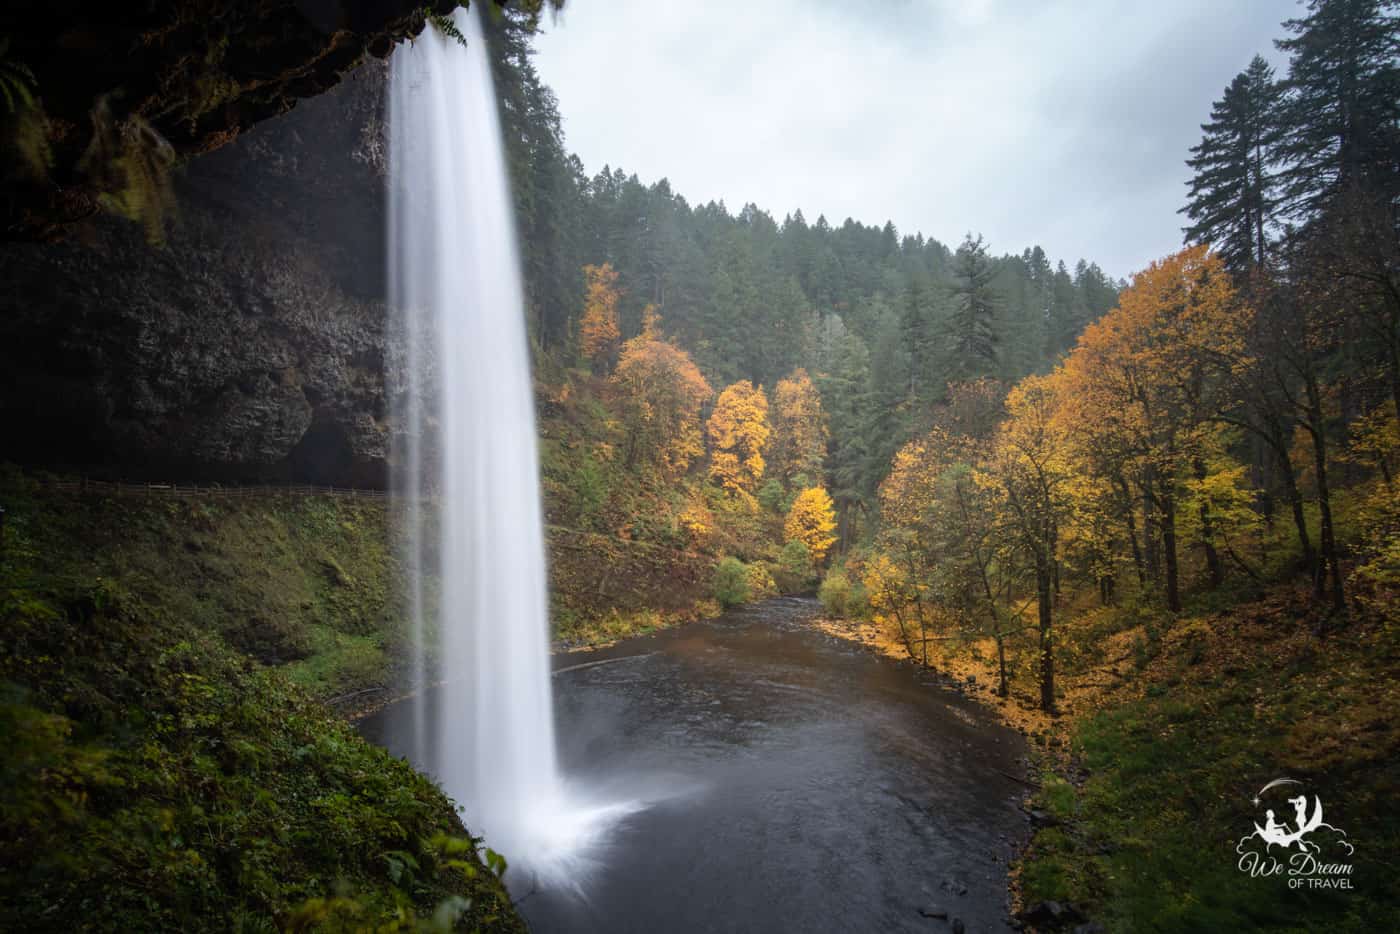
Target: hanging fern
{"x":442,"y":22}
{"x":130,"y":163}
{"x":24,"y":131}
{"x":17,"y":82}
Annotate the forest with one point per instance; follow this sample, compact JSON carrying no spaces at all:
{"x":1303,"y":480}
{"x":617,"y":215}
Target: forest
{"x":879,"y":582}
{"x":1030,"y":467}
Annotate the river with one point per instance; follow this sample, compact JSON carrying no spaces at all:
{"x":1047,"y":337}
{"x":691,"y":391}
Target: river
{"x":792,"y":782}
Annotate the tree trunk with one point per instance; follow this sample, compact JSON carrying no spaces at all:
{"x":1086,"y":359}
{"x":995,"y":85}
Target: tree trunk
{"x":1216,"y":569}
{"x":1330,"y":567}
{"x":1168,"y":499}
{"x":1262,"y":458}
{"x":1393,"y":349}
{"x":1295,"y":497}
{"x":904,"y":634}
{"x":918,"y":606}
{"x":1045,"y":599}
{"x":1150,"y":542}
{"x":1003,"y":683}
{"x":1106,"y":590}
{"x":1132,"y":530}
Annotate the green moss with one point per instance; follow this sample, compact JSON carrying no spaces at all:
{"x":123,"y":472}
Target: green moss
{"x":282,"y":579}
{"x":160,"y":776}
{"x":339,"y":664}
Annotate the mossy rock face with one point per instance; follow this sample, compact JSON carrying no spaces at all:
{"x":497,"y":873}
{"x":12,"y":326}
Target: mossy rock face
{"x":194,"y":75}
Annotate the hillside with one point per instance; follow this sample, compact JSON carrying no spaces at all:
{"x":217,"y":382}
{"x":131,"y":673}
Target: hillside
{"x":159,"y":664}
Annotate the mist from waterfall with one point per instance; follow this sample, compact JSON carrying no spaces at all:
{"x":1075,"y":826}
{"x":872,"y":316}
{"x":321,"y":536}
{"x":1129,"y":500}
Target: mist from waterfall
{"x":466,"y":467}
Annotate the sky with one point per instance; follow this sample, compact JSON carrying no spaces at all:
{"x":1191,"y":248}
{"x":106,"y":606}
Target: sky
{"x":1062,"y":123}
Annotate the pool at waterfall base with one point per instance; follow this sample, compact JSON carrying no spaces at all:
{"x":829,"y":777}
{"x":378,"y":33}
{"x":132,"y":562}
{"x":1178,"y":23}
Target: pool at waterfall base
{"x":752,"y":773}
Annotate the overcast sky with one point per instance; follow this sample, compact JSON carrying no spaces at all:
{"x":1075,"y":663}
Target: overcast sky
{"x":1058,"y":123}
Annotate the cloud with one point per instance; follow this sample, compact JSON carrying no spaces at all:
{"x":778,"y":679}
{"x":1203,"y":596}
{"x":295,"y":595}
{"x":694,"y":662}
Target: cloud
{"x":1063,"y":124}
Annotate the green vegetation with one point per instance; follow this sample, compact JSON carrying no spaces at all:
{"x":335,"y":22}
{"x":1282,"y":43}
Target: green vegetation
{"x":1223,"y":703}
{"x":840,"y":596}
{"x":298,"y":582}
{"x":163,"y":772}
{"x":731,"y":582}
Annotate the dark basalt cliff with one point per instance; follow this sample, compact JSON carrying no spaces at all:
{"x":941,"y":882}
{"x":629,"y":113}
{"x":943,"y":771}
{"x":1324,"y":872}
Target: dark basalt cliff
{"x":250,"y":345}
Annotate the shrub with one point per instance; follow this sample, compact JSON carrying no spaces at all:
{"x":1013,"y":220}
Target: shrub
{"x":794,"y":567}
{"x":761,"y":583}
{"x":835,"y":593}
{"x":731,"y":586}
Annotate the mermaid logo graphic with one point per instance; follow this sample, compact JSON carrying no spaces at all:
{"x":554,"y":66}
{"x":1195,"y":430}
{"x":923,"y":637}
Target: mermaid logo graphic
{"x":1307,"y":851}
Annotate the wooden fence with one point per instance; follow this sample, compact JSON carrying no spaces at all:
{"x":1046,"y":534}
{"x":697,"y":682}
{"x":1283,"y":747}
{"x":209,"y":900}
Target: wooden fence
{"x":254,"y":491}
{"x":152,"y":488}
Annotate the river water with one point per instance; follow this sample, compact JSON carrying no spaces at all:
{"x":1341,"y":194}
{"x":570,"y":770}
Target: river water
{"x":779,"y":780}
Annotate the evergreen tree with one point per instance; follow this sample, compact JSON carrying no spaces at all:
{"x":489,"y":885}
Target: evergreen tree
{"x":845,"y":392}
{"x":972,"y":326}
{"x":1342,"y":120}
{"x":1231,"y":202}
{"x":1066,"y":315}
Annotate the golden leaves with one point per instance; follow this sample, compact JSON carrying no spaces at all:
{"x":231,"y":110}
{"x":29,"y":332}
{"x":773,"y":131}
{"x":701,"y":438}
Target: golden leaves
{"x":598,"y":333}
{"x":799,"y":429}
{"x":811,"y":521}
{"x":739,"y":432}
{"x":660,"y":394}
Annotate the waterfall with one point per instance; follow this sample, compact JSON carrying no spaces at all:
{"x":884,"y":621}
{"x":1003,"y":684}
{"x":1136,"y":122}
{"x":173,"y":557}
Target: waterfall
{"x":466,"y":469}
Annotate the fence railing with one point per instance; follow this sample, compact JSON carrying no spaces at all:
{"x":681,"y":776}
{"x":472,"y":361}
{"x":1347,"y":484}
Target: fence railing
{"x":253,"y":491}
{"x":155,"y":488}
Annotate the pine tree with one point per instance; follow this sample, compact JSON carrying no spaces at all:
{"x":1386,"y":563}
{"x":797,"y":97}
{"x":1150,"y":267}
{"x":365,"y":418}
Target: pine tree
{"x":972,"y":326}
{"x":845,"y":391}
{"x":1343,"y":109}
{"x":1067,"y":314}
{"x":1232,"y":200}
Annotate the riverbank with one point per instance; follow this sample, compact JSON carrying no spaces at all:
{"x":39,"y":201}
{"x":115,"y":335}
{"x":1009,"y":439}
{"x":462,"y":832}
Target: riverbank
{"x":1167,"y":730}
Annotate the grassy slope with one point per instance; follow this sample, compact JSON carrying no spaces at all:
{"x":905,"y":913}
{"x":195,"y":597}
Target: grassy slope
{"x":162,"y":771}
{"x":1163,"y":765}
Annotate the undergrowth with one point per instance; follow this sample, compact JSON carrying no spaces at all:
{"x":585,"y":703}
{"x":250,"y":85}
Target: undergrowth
{"x":1165,"y":768}
{"x":162,"y":774}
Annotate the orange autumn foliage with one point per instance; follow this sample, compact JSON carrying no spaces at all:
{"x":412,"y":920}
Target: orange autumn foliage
{"x":598,"y":331}
{"x":660,"y":394}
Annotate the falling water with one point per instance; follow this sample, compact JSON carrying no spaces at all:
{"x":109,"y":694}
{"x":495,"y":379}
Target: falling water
{"x":467,"y":455}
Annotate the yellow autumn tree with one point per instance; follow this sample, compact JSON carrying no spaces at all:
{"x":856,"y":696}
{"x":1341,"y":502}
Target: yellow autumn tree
{"x":799,"y":430}
{"x":739,"y":431}
{"x":1026,"y":474}
{"x":1146,"y":381}
{"x":660,"y":392}
{"x":598,"y":332}
{"x":895,"y":603}
{"x":811,"y":520}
